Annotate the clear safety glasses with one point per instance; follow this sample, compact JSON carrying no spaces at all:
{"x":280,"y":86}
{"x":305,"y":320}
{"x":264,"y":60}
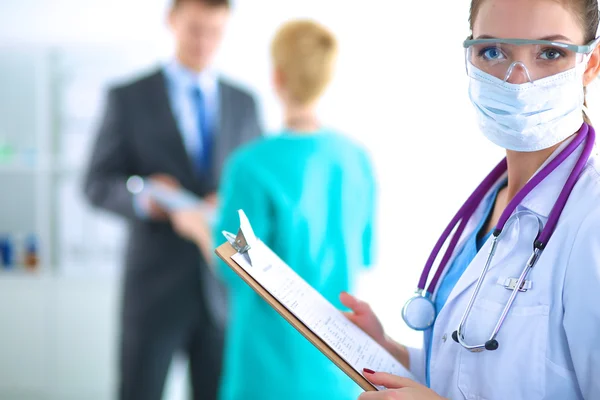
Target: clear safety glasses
{"x":521,"y":60}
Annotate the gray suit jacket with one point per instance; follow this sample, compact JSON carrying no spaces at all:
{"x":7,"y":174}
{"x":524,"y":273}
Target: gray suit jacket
{"x":165,"y":274}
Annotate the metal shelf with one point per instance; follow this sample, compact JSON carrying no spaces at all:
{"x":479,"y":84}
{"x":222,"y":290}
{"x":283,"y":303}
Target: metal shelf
{"x":21,"y":272}
{"x":44,"y":150}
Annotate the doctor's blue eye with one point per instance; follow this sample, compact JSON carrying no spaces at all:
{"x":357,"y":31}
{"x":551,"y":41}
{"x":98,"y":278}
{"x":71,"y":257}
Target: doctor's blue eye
{"x":491,"y":53}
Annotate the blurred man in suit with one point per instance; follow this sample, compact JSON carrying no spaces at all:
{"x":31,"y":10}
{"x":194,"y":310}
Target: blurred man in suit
{"x":176,"y":125}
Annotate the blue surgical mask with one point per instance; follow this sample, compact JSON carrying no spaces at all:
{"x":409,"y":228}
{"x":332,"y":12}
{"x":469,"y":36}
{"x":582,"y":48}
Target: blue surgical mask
{"x":531,"y":116}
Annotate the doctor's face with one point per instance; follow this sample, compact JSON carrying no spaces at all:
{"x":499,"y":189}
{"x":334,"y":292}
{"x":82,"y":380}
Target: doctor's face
{"x":556,"y":20}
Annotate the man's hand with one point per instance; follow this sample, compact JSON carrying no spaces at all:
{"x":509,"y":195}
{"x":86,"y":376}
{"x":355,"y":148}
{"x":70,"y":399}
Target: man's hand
{"x":154,"y":210}
{"x":211,"y":199}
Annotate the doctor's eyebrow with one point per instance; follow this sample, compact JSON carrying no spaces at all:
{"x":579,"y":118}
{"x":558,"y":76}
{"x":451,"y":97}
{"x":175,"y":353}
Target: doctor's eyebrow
{"x":550,"y":38}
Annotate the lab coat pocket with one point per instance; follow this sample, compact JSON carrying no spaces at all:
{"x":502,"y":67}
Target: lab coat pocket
{"x":516,"y":370}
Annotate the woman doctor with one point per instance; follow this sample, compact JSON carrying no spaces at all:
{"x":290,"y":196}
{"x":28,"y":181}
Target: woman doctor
{"x":513,"y":310}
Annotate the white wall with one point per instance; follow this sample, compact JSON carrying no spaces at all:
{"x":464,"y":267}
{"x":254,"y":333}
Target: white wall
{"x":400,"y":89}
{"x":57,"y":338}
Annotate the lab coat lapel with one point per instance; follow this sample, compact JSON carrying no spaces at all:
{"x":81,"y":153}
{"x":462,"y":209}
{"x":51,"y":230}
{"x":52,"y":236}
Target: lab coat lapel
{"x":544,"y":196}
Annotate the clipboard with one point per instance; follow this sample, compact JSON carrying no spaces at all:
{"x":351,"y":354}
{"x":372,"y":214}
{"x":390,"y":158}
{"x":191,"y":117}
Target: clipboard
{"x":242,"y":244}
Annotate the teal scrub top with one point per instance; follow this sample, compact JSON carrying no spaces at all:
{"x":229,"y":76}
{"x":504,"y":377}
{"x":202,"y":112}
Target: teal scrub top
{"x":310,"y":198}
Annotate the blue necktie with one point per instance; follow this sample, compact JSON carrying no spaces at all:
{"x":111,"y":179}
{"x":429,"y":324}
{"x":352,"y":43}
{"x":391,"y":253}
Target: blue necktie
{"x":203,"y":159}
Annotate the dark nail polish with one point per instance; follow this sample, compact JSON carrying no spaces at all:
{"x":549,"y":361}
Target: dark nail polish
{"x":368,"y":371}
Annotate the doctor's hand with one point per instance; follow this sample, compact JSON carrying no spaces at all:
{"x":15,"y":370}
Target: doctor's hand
{"x":363,"y":316}
{"x":397,"y":388}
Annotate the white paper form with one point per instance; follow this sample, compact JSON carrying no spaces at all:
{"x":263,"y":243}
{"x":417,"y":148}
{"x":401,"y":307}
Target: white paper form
{"x":319,"y":315}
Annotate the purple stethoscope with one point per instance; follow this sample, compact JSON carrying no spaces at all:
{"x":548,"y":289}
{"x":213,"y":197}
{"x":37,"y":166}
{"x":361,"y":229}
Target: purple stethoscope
{"x":419,"y":312}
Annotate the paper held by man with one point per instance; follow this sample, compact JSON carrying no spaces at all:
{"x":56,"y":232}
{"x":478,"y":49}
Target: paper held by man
{"x":171,"y":198}
{"x":344,"y":343}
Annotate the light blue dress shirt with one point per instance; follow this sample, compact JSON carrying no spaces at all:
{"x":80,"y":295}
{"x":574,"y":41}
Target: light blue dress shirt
{"x":181,"y":83}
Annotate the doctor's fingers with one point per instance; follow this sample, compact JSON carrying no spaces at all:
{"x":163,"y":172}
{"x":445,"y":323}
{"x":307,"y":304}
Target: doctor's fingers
{"x":393,"y":394}
{"x":391,"y":381}
{"x":355,"y":319}
{"x":356,"y":305}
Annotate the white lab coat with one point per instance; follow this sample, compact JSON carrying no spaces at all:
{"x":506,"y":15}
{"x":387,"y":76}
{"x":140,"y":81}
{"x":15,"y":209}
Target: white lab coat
{"x":550,"y":341}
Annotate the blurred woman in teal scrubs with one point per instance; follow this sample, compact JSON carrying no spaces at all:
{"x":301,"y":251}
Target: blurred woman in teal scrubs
{"x":309,"y":195}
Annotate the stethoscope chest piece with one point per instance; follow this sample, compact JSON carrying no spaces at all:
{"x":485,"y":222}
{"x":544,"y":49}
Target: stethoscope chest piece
{"x":419,"y":312}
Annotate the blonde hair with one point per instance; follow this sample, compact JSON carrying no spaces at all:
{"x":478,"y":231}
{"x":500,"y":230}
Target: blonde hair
{"x":304,"y":52}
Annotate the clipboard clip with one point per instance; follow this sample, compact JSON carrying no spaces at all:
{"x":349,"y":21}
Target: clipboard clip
{"x":245,"y":238}
{"x":238,"y":242}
